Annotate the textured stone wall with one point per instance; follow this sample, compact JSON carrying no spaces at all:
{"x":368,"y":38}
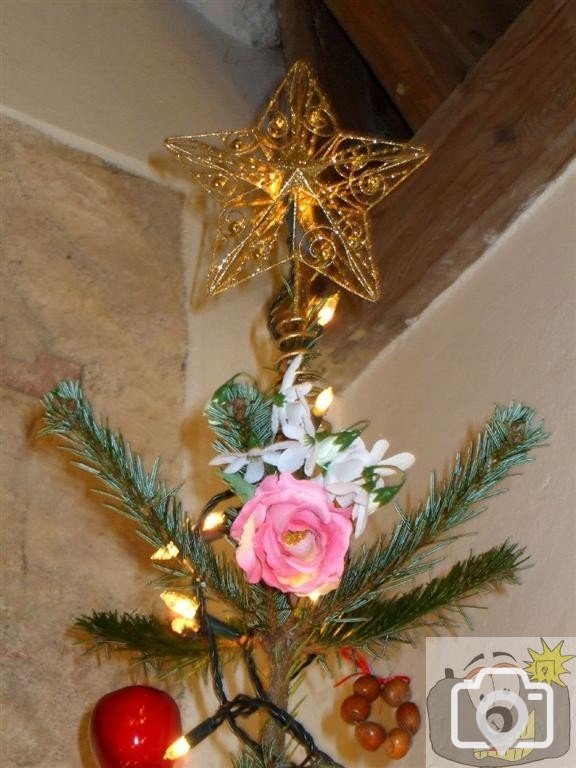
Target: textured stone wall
{"x":91,"y":288}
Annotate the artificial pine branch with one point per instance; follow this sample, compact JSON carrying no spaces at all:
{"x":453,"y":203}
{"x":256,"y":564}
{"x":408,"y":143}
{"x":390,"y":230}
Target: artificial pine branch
{"x":240,"y":416}
{"x":145,"y":499}
{"x":250,"y":759}
{"x":355,"y":613}
{"x":141,"y":496}
{"x":129,"y":489}
{"x":503,"y":445}
{"x":383,"y":621}
{"x":224,"y":580}
{"x":150,"y":641}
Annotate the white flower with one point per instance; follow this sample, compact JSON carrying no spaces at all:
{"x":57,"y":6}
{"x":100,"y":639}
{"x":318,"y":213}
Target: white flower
{"x":347,"y":465}
{"x":292,"y":457}
{"x":352,"y":463}
{"x":356,"y":477}
{"x":321,"y":451}
{"x":291,"y":412}
{"x":285,"y":455}
{"x":326,"y":450}
{"x":364,"y":506}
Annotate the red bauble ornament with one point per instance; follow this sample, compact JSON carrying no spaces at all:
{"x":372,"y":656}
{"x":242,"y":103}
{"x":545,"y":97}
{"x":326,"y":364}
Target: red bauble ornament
{"x":133,"y":727}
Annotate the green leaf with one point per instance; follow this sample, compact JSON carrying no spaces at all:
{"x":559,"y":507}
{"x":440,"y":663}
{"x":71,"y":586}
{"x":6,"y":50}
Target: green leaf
{"x":345,"y":438}
{"x":241,"y":488}
{"x":385,"y":495}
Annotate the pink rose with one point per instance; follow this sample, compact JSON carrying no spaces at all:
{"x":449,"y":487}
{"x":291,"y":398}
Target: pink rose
{"x":292,"y":537}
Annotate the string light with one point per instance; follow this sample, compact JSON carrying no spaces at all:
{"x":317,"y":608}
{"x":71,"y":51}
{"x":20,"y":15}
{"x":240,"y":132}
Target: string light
{"x":323,"y":402}
{"x":327,"y":310}
{"x":314,"y":596}
{"x":213,"y":520}
{"x":180,"y":604}
{"x":177,"y":749}
{"x":181,"y":626}
{"x":166,"y":553}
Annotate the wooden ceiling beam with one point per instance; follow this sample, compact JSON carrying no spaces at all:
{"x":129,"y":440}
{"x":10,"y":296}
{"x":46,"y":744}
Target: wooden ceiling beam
{"x":420,"y":50}
{"x":495,"y":144}
{"x":310,"y":33}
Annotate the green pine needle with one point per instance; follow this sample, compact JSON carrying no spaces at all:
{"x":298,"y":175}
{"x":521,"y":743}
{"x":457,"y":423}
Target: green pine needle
{"x":383,"y":621}
{"x":250,"y":759}
{"x":127,"y":487}
{"x":225,"y":580}
{"x":240,"y":416}
{"x":148,"y":640}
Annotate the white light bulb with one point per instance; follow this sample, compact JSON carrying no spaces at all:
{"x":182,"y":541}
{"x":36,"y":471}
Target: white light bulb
{"x":177,"y":749}
{"x":327,"y":310}
{"x":180,"y":604}
{"x":180,"y":625}
{"x":323,"y":402}
{"x":166,"y":553}
{"x":213,"y":520}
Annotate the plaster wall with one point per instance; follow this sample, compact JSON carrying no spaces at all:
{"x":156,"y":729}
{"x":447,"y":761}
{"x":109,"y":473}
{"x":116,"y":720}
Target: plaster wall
{"x":117,"y":77}
{"x":253,"y":22}
{"x":506,"y":330}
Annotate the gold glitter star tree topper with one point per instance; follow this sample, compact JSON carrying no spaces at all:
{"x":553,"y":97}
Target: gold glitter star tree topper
{"x":296,"y":178}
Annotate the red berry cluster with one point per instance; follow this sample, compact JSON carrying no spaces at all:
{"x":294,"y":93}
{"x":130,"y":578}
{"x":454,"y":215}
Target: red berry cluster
{"x":371,"y":736}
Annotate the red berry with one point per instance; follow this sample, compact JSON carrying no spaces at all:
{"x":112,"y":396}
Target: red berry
{"x":397,"y":743}
{"x":408,"y":717}
{"x":370,"y":735}
{"x":367,"y":686}
{"x":354,"y":709}
{"x":396,"y":692}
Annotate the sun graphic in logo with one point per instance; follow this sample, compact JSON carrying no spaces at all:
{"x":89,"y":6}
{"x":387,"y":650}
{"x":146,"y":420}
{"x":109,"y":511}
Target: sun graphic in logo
{"x":548,"y":665}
